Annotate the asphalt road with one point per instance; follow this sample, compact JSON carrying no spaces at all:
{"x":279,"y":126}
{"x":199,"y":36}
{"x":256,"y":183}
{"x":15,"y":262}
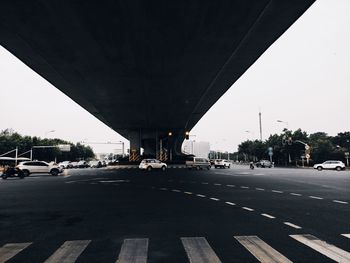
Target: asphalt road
{"x":221,"y":215}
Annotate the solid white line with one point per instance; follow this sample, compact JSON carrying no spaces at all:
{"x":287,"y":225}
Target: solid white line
{"x":133,"y":251}
{"x":268,"y":216}
{"x":10,"y":250}
{"x":261,"y":250}
{"x":295,"y":194}
{"x":247,"y":208}
{"x":199,"y":195}
{"x":229,"y":203}
{"x":316,"y":197}
{"x":323,"y":247}
{"x":230,"y":185}
{"x":260,"y":189}
{"x":244,"y":187}
{"x":214,"y":199}
{"x":292,"y":225}
{"x":276,"y":191}
{"x":198,"y":250}
{"x":346,"y":235}
{"x":68,"y":252}
{"x":176,"y":191}
{"x":340,"y":202}
{"x":188,"y":193}
{"x":217,"y":184}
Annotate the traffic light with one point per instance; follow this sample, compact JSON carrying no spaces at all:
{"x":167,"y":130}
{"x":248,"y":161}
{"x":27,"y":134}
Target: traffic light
{"x":187,"y":135}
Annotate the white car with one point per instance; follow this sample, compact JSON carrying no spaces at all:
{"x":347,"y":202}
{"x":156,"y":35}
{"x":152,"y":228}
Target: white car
{"x":65,"y":164}
{"x":221,"y":163}
{"x":39,"y":167}
{"x":150,"y":164}
{"x":331,"y":165}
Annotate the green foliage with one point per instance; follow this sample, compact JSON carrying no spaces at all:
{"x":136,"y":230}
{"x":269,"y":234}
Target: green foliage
{"x":9,"y":140}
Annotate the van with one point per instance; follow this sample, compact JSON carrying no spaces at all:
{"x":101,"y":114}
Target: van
{"x":197,"y":163}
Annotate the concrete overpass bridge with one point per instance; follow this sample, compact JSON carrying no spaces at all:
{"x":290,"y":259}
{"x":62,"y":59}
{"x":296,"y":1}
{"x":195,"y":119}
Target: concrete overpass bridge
{"x":144,"y":68}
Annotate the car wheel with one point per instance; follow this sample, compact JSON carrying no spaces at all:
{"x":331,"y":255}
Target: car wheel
{"x":26,"y":172}
{"x":319,"y":168}
{"x":209,"y":167}
{"x":4,"y":176}
{"x":163,"y":168}
{"x":149,"y":168}
{"x":229,"y":166}
{"x":54,"y":172}
{"x":338,"y":168}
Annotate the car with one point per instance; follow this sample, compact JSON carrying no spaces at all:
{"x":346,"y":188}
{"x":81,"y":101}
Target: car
{"x":197,"y":163}
{"x":82,"y":164}
{"x":12,"y":172}
{"x":65,"y":164}
{"x":264,"y":164}
{"x":330,"y":165}
{"x":74,"y":164}
{"x":150,"y":164}
{"x":221,"y":163}
{"x":39,"y":167}
{"x":95,"y":164}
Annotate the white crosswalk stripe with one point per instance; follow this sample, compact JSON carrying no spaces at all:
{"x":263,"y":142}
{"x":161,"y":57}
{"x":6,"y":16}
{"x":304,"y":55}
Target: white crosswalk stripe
{"x":329,"y":250}
{"x":10,"y":250}
{"x":133,"y":251}
{"x":68,"y":252}
{"x":260,"y":250}
{"x":198,"y":250}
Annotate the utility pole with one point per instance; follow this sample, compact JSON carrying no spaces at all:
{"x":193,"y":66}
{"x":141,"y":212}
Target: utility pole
{"x":260,"y":125}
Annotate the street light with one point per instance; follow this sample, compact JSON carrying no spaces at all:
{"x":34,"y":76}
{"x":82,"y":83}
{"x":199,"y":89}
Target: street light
{"x":285,"y":122}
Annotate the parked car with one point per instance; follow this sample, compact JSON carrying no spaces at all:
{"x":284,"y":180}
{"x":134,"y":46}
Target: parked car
{"x":82,"y":164}
{"x":150,"y":164}
{"x":65,"y":164}
{"x":39,"y":167}
{"x":330,"y":165}
{"x":74,"y":164}
{"x":95,"y":164}
{"x":197,"y":163}
{"x":264,"y":164}
{"x":221,"y":163}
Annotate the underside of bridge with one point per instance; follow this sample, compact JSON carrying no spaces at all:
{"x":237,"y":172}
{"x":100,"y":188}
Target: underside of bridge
{"x":144,"y":68}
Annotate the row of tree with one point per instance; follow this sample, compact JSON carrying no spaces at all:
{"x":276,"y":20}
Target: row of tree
{"x":10,"y":140}
{"x":288,"y":148}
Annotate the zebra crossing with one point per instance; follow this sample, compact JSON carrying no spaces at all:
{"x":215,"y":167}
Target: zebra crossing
{"x":197,"y":249}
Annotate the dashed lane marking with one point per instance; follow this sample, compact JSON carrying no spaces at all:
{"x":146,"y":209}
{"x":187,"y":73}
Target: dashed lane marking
{"x":316,"y":197}
{"x":10,"y":250}
{"x":292,"y":225}
{"x":188,"y":193}
{"x":261,"y":250}
{"x":277,"y":191}
{"x":217,"y":184}
{"x":205,"y":183}
{"x":163,"y":189}
{"x":230,"y":203}
{"x":198,"y":250}
{"x":230,"y":185}
{"x":248,"y":208}
{"x":214,"y":199}
{"x":244,"y":187}
{"x":268,"y":216}
{"x":176,"y":191}
{"x":323,"y":247}
{"x":295,"y":194}
{"x":340,"y":202}
{"x":68,"y":252}
{"x":133,"y":251}
{"x":199,"y":195}
{"x":259,"y":189}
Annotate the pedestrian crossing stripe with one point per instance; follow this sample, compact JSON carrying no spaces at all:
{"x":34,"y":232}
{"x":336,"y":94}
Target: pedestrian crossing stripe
{"x":197,"y":250}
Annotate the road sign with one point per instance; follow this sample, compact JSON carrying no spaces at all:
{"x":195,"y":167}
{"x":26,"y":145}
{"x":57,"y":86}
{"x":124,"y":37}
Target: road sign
{"x":307,"y":147}
{"x":307,"y":156}
{"x":64,"y":147}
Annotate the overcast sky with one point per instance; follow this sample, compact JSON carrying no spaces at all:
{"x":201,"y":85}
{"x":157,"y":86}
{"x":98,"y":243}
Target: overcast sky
{"x":302,"y":79}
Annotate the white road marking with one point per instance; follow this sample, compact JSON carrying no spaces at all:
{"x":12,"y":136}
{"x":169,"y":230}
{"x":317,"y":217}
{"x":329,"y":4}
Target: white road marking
{"x":247,"y":208}
{"x":133,"y":251}
{"x":295,"y":194}
{"x":346,"y":235}
{"x":10,"y":250}
{"x":340,"y":202}
{"x":243,"y":173}
{"x":323,"y":247}
{"x":258,"y":174}
{"x":244,"y":187}
{"x":205,"y":183}
{"x":217,"y":184}
{"x":276,"y":191}
{"x":230,"y":185}
{"x":68,"y":252}
{"x":316,"y":197}
{"x":230,"y":203}
{"x":198,"y":250}
{"x":176,"y":191}
{"x":261,"y":250}
{"x":292,"y":225}
{"x":214,"y":199}
{"x":260,"y":189}
{"x":268,"y":216}
{"x":163,"y":189}
{"x":199,"y":195}
{"x":188,"y":193}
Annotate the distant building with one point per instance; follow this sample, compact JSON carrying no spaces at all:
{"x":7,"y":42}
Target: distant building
{"x":199,"y":149}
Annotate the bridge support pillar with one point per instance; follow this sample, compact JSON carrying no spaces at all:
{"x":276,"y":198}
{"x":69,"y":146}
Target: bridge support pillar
{"x":135,"y":146}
